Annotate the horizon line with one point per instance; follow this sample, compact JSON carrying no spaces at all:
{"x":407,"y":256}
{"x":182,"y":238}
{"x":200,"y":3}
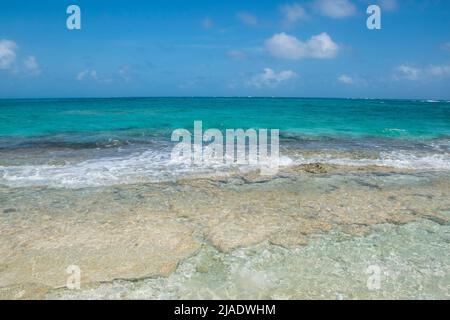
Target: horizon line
{"x":221,"y":97}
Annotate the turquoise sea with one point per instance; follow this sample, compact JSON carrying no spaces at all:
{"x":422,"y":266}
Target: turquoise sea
{"x":76,"y":142}
{"x":136,"y":117}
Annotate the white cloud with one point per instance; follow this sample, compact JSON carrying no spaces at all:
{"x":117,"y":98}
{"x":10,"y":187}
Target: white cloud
{"x":236,"y":54}
{"x":8,"y":57}
{"x":446,"y":46}
{"x":285,"y":46}
{"x":207,"y":23}
{"x":293,"y":13}
{"x":335,"y":8}
{"x":82,"y":75}
{"x":31,"y":65}
{"x":346,"y":79}
{"x":248,"y":19}
{"x":93,"y":74}
{"x":407,"y":72}
{"x":270,"y":78}
{"x":88,"y":74}
{"x":389,"y":5}
{"x":439,"y":71}
{"x":7,"y":53}
{"x":125,"y":73}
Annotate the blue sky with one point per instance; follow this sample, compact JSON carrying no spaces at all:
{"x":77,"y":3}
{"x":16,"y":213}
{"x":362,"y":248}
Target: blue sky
{"x":314,"y":48}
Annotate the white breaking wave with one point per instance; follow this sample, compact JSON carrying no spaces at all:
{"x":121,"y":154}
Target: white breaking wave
{"x":149,"y":166}
{"x":146,"y":166}
{"x":398,"y":160}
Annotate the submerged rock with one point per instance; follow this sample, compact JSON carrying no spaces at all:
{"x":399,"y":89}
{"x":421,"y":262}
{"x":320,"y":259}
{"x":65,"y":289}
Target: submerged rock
{"x":314,"y":168}
{"x":151,"y":228}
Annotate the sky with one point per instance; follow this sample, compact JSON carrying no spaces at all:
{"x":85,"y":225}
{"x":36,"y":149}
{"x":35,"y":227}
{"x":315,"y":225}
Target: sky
{"x":313,"y":48}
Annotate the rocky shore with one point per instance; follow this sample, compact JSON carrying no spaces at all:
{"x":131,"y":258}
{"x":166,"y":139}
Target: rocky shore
{"x":142,"y":231}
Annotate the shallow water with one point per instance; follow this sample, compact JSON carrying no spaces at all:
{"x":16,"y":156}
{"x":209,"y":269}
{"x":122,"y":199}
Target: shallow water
{"x":333,"y":266}
{"x":292,"y":236}
{"x":362,"y":184}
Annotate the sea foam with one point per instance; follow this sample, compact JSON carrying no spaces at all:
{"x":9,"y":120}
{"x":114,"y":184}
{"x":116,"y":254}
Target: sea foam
{"x":399,"y":160}
{"x":156,"y":166}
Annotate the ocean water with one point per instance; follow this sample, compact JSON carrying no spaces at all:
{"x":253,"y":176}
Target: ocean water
{"x":92,"y":142}
{"x":90,"y":183}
